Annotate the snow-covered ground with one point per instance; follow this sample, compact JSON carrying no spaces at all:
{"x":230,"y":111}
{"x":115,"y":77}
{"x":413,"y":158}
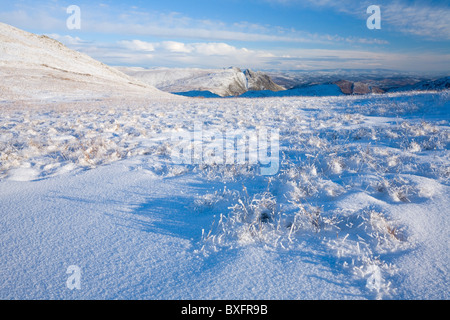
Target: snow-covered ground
{"x":357,"y":210}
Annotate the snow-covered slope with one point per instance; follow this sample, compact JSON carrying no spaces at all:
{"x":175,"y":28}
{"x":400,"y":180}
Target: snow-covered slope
{"x":223,"y":82}
{"x":38,"y":67}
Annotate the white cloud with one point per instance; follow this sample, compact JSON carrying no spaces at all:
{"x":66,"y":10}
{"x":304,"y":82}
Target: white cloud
{"x":137,"y":45}
{"x":67,"y":40}
{"x":207,"y":43}
{"x":175,"y":47}
{"x":421,"y":17}
{"x":221,"y":54}
{"x":201,"y":48}
{"x":362,"y":59}
{"x":102,"y":19}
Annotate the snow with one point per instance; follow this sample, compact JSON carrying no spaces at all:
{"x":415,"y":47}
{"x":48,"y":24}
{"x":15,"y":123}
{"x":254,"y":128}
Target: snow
{"x":224,"y":82}
{"x":38,"y":67}
{"x":354,"y":212}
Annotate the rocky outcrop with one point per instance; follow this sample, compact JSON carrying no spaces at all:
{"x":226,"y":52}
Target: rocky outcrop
{"x":257,"y":81}
{"x":350,"y":87}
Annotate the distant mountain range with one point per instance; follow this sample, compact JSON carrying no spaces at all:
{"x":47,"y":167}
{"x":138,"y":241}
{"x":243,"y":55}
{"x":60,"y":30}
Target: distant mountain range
{"x":361,"y":81}
{"x":216,"y":83}
{"x":435,"y":85}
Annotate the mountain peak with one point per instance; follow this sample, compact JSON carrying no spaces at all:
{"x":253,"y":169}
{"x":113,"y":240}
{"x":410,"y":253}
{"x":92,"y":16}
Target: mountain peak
{"x":257,"y":81}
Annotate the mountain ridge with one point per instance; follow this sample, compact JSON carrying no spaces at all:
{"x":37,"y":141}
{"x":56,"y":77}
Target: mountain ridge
{"x":39,"y":67}
{"x":224,"y":82}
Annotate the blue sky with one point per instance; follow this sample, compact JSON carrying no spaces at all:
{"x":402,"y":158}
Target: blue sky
{"x":263,"y":35}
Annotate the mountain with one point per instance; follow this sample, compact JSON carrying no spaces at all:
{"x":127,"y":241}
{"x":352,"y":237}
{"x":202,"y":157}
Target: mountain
{"x":222,"y":82}
{"x":38,"y":67}
{"x":428,"y":85}
{"x":257,"y":81}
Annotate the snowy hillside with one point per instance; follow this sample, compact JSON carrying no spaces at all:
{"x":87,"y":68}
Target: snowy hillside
{"x":38,"y":67}
{"x":223,"y":82}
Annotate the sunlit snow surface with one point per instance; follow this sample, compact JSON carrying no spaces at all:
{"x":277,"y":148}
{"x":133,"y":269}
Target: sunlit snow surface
{"x":358,"y":209}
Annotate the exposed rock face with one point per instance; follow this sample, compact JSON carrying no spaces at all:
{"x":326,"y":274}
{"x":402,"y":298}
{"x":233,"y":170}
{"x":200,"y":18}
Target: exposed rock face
{"x":349,"y":87}
{"x":345,"y":86}
{"x":257,"y":81}
{"x":238,"y":85}
{"x":377,"y":90}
